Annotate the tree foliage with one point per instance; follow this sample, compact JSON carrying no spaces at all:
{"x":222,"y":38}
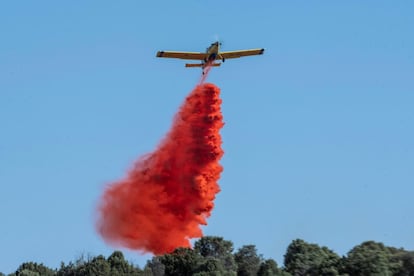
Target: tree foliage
{"x":304,"y":258}
{"x":115,"y":265}
{"x":211,"y":267}
{"x":155,"y":266}
{"x":183,"y":261}
{"x":269,"y":268}
{"x":212,"y":247}
{"x":214,"y":256}
{"x":248,"y":262}
{"x":372,"y":258}
{"x":119,"y":266}
{"x":406,"y":259}
{"x":32,"y":268}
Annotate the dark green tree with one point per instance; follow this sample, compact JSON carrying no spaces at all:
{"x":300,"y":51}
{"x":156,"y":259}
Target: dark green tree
{"x":66,"y":270}
{"x":96,"y":266}
{"x":407,"y":263}
{"x":119,"y":266}
{"x":303,"y":258}
{"x":269,"y":268}
{"x":211,"y":247}
{"x":183,"y":261}
{"x":247,"y":260}
{"x":211,"y":267}
{"x":156,"y":267}
{"x":26,"y":272}
{"x":402,"y":261}
{"x":32,"y":268}
{"x":371,"y":258}
{"x":114,"y":265}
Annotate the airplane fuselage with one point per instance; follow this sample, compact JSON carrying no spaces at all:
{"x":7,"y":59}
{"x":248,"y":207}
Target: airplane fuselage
{"x":213,"y":51}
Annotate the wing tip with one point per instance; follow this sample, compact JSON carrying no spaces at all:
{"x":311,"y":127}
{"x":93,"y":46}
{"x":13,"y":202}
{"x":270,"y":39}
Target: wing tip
{"x":160,"y":53}
{"x":262,"y":51}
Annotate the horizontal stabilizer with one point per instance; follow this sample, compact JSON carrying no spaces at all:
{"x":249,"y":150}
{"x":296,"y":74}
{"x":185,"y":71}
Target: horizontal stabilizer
{"x":194,"y":65}
{"x":200,"y":64}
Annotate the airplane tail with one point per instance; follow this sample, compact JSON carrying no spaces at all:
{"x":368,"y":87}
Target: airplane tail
{"x":201,"y":65}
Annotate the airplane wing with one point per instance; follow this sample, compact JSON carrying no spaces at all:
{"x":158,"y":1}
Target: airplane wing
{"x":240,"y":53}
{"x":182,"y":55}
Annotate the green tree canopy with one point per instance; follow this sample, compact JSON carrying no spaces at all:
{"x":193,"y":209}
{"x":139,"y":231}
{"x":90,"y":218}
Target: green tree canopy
{"x":304,"y":258}
{"x":155,"y":266}
{"x":371,"y":258}
{"x":211,"y":267}
{"x":96,"y":266}
{"x":269,"y":268}
{"x":214,"y":256}
{"x":248,"y":262}
{"x":219,"y":249}
{"x":407,"y":263}
{"x":183,"y":261}
{"x":32,"y":268}
{"x":119,"y":266}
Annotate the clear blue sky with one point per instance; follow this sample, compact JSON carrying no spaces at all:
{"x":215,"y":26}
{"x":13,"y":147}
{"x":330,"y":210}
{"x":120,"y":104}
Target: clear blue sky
{"x":319,"y":136}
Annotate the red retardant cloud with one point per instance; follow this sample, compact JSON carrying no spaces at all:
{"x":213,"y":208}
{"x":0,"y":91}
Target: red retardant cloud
{"x":169,"y":193}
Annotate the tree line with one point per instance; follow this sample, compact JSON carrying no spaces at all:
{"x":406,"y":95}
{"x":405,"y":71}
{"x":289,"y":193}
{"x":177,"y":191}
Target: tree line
{"x":215,"y":256}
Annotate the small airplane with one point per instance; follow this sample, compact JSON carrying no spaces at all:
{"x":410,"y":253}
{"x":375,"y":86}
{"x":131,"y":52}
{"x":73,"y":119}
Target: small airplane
{"x":209,"y":57}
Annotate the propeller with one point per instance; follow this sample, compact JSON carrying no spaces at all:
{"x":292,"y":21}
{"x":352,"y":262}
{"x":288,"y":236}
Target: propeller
{"x":217,"y":39}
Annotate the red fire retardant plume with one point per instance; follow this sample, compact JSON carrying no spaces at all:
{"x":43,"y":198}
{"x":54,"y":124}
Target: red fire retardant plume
{"x":169,"y":193}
